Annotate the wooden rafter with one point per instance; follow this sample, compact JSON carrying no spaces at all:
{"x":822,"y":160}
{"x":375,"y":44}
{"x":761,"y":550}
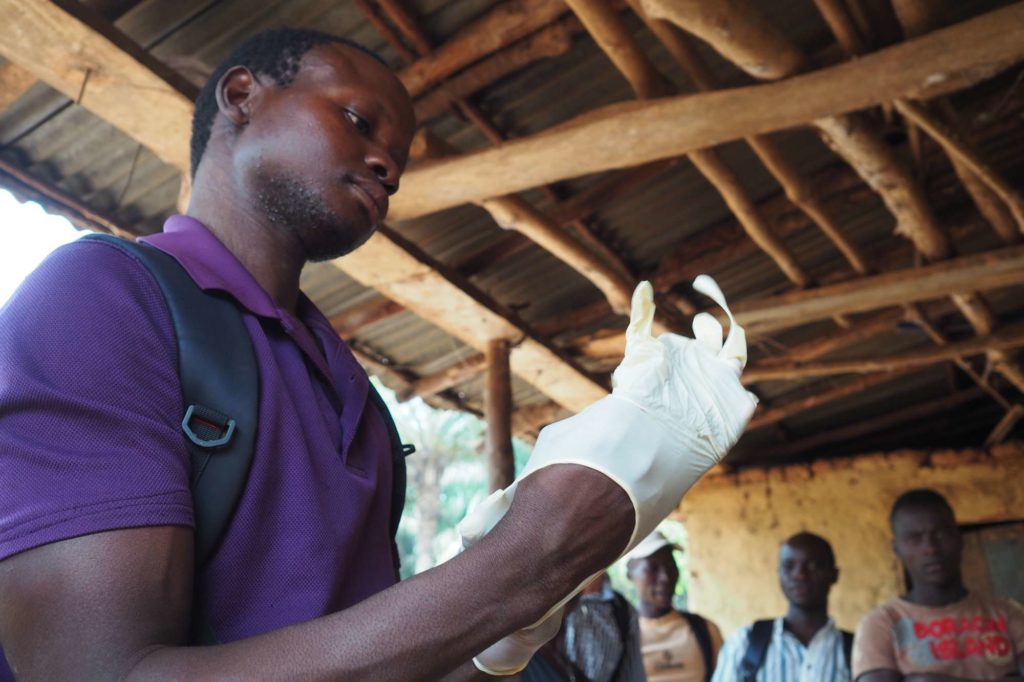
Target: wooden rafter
{"x":866,"y":427}
{"x":515,"y":213}
{"x":529,"y":420}
{"x":603,"y":23}
{"x":742,"y":36}
{"x":635,"y":133}
{"x":552,"y":41}
{"x":798,"y":190}
{"x":989,"y":270}
{"x":14,"y":82}
{"x":130,"y":81}
{"x":502,"y":26}
{"x":989,"y":191}
{"x":611,"y":34}
{"x":353,"y":320}
{"x":785,"y":410}
{"x":450,"y":377}
{"x":980,"y":181}
{"x":110,"y":75}
{"x":852,"y":136}
{"x":1010,"y":337}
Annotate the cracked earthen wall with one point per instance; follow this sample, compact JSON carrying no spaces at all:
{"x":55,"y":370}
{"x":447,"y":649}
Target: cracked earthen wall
{"x":736,"y":522}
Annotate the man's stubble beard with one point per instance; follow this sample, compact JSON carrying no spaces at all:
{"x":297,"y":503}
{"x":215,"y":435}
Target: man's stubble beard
{"x":303,"y":213}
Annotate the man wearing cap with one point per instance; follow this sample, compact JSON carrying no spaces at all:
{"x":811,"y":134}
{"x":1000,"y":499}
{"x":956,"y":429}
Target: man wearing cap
{"x":677,"y":646}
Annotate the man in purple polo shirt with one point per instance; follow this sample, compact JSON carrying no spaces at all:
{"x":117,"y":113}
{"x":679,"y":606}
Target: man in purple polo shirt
{"x":298,"y":140}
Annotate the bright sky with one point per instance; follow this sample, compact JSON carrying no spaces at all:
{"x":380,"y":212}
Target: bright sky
{"x":27,"y":235}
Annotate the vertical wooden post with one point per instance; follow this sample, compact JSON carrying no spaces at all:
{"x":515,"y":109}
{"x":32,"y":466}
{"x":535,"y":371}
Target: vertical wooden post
{"x":498,"y":414}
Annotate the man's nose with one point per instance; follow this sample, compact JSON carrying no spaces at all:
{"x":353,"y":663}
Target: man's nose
{"x":384,"y":167}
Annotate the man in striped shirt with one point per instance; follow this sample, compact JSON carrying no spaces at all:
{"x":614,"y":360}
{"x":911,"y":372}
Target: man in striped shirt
{"x":804,"y":645}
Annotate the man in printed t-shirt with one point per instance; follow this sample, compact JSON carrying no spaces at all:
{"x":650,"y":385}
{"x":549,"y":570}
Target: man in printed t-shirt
{"x":938,"y":631}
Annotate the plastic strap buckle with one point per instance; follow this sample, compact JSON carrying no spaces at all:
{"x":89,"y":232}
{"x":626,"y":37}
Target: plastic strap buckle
{"x":207,"y":428}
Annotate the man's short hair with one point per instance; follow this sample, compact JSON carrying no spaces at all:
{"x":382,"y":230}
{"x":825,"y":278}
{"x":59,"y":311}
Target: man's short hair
{"x":806,"y":539}
{"x":275,"y":53}
{"x":919,"y":498}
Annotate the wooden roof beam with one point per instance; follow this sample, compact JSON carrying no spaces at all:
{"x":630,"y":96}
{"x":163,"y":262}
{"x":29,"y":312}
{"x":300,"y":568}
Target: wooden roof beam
{"x":107,"y":73}
{"x":918,"y":17}
{"x":989,"y":191}
{"x":850,"y":136}
{"x":1010,"y":337}
{"x":790,"y":408}
{"x":404,"y":273}
{"x":505,"y":24}
{"x":450,"y":377}
{"x":514,"y":213}
{"x":990,"y":270}
{"x":799,"y":191}
{"x":127,"y":81}
{"x":15,"y":80}
{"x":743,"y":37}
{"x":865,"y":427}
{"x":551,"y":41}
{"x":603,"y":24}
{"x":634,"y":133}
{"x":618,"y":44}
{"x":352,"y":320}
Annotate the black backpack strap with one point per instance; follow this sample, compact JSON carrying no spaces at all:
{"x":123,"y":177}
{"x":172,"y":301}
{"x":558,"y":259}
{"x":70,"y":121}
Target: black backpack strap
{"x":220,"y":388}
{"x":848,"y":649}
{"x":757,"y":646}
{"x":399,"y":452}
{"x":702,"y":633}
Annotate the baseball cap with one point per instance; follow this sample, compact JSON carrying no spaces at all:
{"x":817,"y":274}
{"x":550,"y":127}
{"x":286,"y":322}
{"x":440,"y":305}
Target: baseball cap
{"x":649,"y":545}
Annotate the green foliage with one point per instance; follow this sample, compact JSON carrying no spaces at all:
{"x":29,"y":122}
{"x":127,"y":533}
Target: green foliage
{"x":449,"y":465}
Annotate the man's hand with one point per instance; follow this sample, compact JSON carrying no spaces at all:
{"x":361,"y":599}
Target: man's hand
{"x":676,"y":409}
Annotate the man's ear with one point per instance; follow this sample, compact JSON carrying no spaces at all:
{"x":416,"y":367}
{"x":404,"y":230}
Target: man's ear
{"x":235,"y":92}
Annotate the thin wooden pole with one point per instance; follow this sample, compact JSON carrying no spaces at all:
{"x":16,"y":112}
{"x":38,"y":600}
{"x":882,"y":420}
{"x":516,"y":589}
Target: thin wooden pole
{"x":498,"y":415}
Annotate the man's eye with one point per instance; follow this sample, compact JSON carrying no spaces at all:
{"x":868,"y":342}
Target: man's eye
{"x":358,"y":121}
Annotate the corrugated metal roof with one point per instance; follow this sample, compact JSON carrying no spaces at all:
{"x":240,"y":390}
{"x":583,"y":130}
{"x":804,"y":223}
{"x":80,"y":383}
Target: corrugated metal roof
{"x":59,"y":142}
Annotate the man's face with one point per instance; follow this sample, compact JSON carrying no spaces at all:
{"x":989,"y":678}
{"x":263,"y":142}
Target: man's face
{"x":806,"y":575}
{"x":321,"y":156}
{"x":928,"y":542}
{"x":655,"y":578}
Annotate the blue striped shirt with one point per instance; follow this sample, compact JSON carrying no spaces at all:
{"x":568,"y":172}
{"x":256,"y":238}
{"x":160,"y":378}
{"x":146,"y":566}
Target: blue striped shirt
{"x":787,"y":659}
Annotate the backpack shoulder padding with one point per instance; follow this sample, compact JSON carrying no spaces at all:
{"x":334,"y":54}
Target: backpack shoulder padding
{"x":217,"y":368}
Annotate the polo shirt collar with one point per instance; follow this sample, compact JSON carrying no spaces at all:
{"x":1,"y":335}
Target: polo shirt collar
{"x":211,"y":265}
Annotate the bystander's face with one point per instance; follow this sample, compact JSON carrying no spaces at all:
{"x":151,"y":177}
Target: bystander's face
{"x":655,"y":578}
{"x":928,"y":542}
{"x":806,"y":575}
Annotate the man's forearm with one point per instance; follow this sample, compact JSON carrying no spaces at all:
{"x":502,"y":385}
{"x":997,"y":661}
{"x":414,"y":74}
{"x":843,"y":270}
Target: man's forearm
{"x":427,"y":626}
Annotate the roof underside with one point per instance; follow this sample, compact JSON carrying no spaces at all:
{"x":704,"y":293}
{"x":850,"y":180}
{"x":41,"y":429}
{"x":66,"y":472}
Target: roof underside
{"x":50,"y":138}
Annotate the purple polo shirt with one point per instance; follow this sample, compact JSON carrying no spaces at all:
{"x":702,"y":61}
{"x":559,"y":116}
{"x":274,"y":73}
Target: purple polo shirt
{"x":90,"y":436}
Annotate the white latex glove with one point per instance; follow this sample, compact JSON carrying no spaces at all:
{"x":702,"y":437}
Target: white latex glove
{"x":510,"y":655}
{"x":676,"y":408}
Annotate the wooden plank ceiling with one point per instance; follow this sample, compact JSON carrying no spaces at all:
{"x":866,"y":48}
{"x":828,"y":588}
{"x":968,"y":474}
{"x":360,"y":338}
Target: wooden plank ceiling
{"x":844,"y":167}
